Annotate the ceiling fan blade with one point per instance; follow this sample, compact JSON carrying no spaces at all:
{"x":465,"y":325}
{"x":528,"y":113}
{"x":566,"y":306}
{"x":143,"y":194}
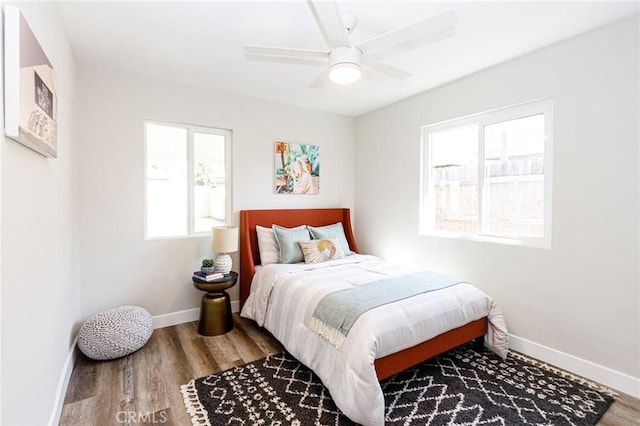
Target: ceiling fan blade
{"x":321,"y":80}
{"x":398,"y":49}
{"x":283,"y":59}
{"x":285,"y":52}
{"x":329,"y":20}
{"x":411,"y":36}
{"x":385,"y":69}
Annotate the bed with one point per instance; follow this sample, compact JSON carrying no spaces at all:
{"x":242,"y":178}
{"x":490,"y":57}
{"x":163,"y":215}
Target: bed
{"x":385,"y":362}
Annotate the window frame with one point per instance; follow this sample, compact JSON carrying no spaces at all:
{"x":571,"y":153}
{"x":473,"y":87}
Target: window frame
{"x":481,"y":120}
{"x":191,"y":130}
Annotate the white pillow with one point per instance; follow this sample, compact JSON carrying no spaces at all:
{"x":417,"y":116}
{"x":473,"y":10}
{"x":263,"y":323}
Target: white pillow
{"x":267,"y":245}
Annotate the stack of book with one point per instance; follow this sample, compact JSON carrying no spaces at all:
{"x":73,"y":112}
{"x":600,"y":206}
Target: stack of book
{"x":201,"y":276}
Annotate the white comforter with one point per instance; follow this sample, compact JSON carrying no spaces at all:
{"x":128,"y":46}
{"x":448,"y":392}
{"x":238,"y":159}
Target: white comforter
{"x":283,"y":298}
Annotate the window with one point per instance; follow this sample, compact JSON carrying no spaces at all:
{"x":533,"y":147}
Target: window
{"x":488,"y":176}
{"x":187,"y":189}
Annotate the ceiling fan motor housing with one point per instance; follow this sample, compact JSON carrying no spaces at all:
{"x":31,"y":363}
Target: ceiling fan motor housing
{"x":344,"y":64}
{"x":349,"y":55}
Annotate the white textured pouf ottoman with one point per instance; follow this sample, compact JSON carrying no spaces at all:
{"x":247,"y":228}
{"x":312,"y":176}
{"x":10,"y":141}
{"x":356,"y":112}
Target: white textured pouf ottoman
{"x":115,"y":332}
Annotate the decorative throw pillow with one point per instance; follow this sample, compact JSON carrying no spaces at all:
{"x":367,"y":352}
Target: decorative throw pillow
{"x":336,"y":230}
{"x":267,"y":245}
{"x":317,"y":251}
{"x":287,"y":239}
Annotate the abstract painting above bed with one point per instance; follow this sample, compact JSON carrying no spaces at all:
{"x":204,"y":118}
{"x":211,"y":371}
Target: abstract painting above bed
{"x":297,"y":168}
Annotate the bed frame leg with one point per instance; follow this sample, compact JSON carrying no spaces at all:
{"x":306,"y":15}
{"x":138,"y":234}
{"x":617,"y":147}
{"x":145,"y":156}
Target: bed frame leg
{"x":478,"y":343}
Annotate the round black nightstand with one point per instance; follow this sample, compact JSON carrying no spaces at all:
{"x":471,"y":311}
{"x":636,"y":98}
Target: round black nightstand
{"x":215,"y":309}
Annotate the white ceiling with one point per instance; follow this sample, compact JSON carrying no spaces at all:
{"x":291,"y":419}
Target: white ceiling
{"x":201,"y":43}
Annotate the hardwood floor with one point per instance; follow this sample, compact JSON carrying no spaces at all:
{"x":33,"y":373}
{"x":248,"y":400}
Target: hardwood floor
{"x":125,"y":390}
{"x":144,"y":387}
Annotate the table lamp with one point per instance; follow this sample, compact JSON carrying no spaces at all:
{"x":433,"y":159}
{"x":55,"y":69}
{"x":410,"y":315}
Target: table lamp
{"x":224,"y":240}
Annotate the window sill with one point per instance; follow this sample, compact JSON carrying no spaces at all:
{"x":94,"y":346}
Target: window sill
{"x":540,"y":243}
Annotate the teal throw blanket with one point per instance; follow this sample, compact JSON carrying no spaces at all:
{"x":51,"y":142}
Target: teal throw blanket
{"x":338,"y":311}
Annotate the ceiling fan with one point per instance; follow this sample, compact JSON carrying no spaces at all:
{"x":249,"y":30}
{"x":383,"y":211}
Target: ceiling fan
{"x":345,"y":61}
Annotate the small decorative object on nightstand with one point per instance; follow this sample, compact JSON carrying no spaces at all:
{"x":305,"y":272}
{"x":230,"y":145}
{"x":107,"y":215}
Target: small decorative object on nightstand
{"x":224,"y":241}
{"x":215,"y":308}
{"x":207,"y":267}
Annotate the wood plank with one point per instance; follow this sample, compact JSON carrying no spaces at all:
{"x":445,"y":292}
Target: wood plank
{"x":81,"y":412}
{"x":176,"y":371}
{"x":197,"y":352}
{"x":83,"y":384}
{"x":150,"y":391}
{"x":262,"y":338}
{"x":246,"y":348}
{"x":111,"y":392}
{"x":625,"y":410}
{"x":224,"y":351}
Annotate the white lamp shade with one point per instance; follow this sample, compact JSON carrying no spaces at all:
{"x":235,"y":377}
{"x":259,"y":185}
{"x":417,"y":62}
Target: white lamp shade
{"x":224,"y":239}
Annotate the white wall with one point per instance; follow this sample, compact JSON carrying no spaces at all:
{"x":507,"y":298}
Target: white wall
{"x":118,"y":265}
{"x":40,"y":289}
{"x":581,"y":297}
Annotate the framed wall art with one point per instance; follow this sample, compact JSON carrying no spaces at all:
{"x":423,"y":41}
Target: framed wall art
{"x":297,"y":168}
{"x":29,"y":88}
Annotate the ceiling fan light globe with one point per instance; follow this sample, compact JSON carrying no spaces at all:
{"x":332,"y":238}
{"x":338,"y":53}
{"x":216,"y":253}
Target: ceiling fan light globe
{"x":345,"y":73}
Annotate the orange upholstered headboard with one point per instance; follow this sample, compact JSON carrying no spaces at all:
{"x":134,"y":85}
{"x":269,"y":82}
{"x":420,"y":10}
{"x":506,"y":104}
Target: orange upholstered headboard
{"x":249,"y":253}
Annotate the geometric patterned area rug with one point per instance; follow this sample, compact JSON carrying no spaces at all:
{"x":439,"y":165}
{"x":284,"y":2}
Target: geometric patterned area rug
{"x":464,"y":386}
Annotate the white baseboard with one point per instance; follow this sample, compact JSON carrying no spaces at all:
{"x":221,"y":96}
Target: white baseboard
{"x":173,"y":318}
{"x":604,"y":375}
{"x":180,"y":317}
{"x":63,"y":383}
